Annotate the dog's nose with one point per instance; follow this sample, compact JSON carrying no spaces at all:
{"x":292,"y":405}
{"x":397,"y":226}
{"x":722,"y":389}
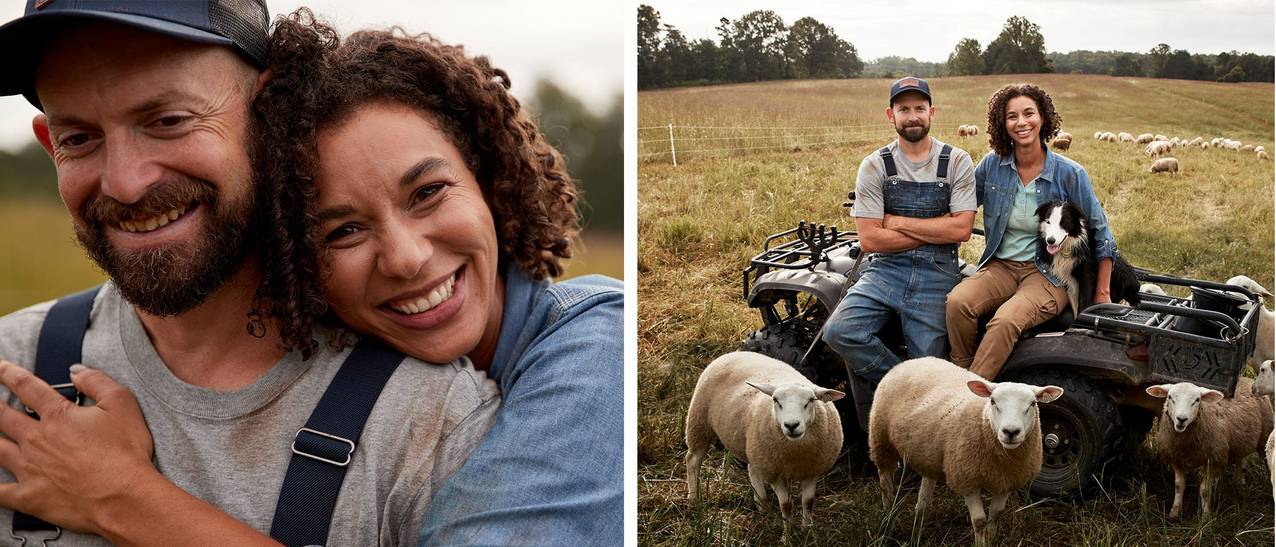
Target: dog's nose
{"x":1050,"y":240}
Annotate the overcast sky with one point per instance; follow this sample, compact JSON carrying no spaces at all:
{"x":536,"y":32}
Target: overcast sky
{"x":578,"y":43}
{"x":928,"y":30}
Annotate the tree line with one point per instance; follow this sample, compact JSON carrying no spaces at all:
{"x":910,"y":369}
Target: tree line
{"x":759,"y":46}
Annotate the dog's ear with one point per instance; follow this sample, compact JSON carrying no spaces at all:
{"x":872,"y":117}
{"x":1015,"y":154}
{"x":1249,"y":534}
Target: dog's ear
{"x":1045,"y":209}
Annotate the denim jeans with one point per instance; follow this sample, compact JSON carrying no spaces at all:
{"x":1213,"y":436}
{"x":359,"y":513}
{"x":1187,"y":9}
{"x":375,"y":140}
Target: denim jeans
{"x":912,"y":285}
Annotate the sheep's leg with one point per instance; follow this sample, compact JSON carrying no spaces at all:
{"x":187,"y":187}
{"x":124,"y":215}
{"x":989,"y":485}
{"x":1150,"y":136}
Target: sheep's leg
{"x":1207,"y":490}
{"x":924,"y":494}
{"x":781,"y":488}
{"x":978,"y":521}
{"x":995,"y":507}
{"x":886,"y":478}
{"x":808,"y":501}
{"x":1180,"y":484}
{"x":695,"y":455}
{"x":759,"y":489}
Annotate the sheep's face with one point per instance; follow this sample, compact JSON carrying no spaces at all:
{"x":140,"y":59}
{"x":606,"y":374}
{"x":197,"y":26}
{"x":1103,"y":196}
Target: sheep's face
{"x":1183,"y":401}
{"x":1265,"y":382}
{"x":1011,"y":408}
{"x":793,"y":405}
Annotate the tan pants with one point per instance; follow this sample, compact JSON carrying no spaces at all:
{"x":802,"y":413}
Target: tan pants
{"x":1022,"y":298}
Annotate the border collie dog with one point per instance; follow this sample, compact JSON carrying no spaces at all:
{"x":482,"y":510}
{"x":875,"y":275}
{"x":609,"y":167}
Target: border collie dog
{"x":1069,"y":249}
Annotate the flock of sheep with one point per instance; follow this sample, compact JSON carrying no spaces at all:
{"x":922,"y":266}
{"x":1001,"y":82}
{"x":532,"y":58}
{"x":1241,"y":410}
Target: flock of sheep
{"x":1156,"y":145}
{"x":949,"y":424}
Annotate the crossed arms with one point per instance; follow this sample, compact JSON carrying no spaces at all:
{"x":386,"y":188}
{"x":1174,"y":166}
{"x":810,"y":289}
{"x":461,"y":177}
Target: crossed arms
{"x":894,"y":233}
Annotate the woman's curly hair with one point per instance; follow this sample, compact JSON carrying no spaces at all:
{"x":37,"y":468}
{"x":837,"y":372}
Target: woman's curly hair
{"x":318,"y":80}
{"x":998,"y":138}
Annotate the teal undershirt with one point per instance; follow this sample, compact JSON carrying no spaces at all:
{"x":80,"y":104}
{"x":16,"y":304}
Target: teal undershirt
{"x":1020,"y":241}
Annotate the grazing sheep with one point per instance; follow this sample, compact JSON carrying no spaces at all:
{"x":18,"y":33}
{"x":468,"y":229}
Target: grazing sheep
{"x":1174,"y":141}
{"x":1098,"y":135}
{"x":1151,"y":288}
{"x":1200,"y":429}
{"x":1204,"y":145}
{"x":1159,"y":137}
{"x":1247,"y":148}
{"x":1216,"y":142}
{"x":768,"y":415}
{"x":1064,"y":135}
{"x":947,"y":423}
{"x":1165,"y":165}
{"x":1259,"y":149}
{"x":1109,"y":137}
{"x":1232,"y":145}
{"x":1157,"y":148}
{"x":1143,"y":138}
{"x":1196,"y":142}
{"x":1266,"y":335}
{"x":1261,"y":155}
{"x":1125,"y":137}
{"x":1061,"y":144}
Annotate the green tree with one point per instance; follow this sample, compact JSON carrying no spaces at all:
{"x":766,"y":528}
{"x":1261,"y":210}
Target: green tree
{"x":593,"y":148}
{"x":814,"y":50}
{"x":675,"y":56}
{"x":966,"y":59}
{"x":706,"y":62}
{"x":649,"y":68}
{"x":1157,"y":57}
{"x":759,"y":37}
{"x":1020,"y":48}
{"x":1126,"y":65}
{"x":1237,"y":74}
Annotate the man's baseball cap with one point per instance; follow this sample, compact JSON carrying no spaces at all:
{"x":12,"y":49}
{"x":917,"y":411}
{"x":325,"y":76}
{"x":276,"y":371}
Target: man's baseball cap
{"x":242,"y":25}
{"x":909,"y":83}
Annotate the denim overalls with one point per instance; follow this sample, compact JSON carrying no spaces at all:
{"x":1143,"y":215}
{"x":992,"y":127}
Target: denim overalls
{"x":912,"y":284}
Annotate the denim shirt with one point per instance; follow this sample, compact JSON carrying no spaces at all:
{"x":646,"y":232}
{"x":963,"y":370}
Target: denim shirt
{"x":551,"y":470}
{"x":1061,"y":179}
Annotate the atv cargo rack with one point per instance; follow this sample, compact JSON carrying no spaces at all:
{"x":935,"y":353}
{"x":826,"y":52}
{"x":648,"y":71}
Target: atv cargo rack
{"x":799,"y":248}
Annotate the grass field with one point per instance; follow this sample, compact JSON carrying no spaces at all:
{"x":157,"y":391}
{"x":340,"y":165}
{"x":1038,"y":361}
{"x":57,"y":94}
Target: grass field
{"x":40,"y":260}
{"x":699,"y":223}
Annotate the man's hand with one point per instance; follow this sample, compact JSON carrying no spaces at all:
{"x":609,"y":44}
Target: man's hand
{"x":75,"y":460}
{"x":890,"y":222}
{"x":1102,"y":296}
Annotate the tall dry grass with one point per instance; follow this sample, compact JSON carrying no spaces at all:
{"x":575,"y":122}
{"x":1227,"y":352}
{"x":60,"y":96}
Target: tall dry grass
{"x":700,"y":222}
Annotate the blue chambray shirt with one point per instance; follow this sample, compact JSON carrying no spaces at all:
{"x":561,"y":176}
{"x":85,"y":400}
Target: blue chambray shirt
{"x":1061,"y":179}
{"x":551,"y":470}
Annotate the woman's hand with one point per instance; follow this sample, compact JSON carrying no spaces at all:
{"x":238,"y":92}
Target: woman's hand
{"x":1102,"y":296}
{"x":75,"y":460}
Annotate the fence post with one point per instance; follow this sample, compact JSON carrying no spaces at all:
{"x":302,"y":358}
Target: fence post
{"x":672,"y":152}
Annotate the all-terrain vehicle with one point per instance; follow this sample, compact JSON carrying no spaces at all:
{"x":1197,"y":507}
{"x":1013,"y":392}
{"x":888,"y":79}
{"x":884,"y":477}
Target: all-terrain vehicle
{"x":1103,"y":357}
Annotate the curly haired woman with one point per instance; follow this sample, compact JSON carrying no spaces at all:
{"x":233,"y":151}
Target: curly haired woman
{"x":1013,"y":282}
{"x":409,"y":197}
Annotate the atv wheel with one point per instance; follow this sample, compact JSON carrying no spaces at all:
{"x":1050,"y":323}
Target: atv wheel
{"x":1080,"y":431}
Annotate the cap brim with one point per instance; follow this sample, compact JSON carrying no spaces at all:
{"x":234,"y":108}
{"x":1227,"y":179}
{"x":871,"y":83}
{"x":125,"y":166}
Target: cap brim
{"x":911,"y":90}
{"x":30,"y":36}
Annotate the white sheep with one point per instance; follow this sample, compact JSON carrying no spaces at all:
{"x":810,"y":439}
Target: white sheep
{"x":1259,"y":149}
{"x":1216,"y":142}
{"x":1261,"y":155}
{"x":1125,"y":137}
{"x":947,"y":423}
{"x":1157,"y":148}
{"x":1200,"y":429}
{"x":1064,"y":135}
{"x":1098,"y":135}
{"x":1159,"y":137}
{"x":1247,"y":148}
{"x":1231,"y":144}
{"x":1061,"y":144}
{"x":1204,"y":145}
{"x":1265,"y":386}
{"x":1174,"y":141}
{"x":1196,"y":142}
{"x":1143,"y":138}
{"x":1109,"y":137}
{"x":1152,"y":288}
{"x":1266,"y":335}
{"x":766,"y":414}
{"x":1165,"y":165}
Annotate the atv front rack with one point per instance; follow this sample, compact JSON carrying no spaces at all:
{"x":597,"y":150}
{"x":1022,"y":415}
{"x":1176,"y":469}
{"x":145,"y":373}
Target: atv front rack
{"x":798,"y":248}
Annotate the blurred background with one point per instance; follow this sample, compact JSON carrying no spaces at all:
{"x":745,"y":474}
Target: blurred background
{"x":563,"y":57}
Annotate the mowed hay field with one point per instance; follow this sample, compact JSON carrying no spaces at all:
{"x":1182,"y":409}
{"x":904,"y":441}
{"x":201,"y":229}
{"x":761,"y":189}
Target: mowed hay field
{"x":701,"y":221}
{"x":40,"y":259}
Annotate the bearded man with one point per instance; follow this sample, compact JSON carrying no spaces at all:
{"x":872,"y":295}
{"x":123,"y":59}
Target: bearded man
{"x":914,"y":203}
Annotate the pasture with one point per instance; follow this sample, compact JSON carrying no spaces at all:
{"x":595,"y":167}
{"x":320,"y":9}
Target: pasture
{"x":40,"y":259}
{"x":699,"y":223}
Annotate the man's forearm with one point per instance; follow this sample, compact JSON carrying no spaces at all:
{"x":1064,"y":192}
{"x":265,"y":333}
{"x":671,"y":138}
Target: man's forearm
{"x":884,"y":240}
{"x":157,"y":512}
{"x":944,"y":229}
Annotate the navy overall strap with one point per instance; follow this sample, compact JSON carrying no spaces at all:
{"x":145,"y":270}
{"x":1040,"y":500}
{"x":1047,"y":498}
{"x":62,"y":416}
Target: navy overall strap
{"x":325,"y":446}
{"x":888,"y":161}
{"x":60,"y":345}
{"x":944,"y":154}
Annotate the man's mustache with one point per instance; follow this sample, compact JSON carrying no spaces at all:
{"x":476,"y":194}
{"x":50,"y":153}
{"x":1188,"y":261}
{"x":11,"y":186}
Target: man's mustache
{"x":179,"y":192}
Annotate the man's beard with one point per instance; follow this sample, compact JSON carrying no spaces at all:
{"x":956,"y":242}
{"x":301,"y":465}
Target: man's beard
{"x":918,"y":133}
{"x":171,"y":279}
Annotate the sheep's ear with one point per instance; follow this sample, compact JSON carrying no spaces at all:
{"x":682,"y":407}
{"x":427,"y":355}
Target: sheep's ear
{"x":1211,"y":396}
{"x":1267,"y":365}
{"x":764,"y":388}
{"x":1049,"y":394}
{"x":1159,"y":391}
{"x":981,"y":387}
{"x":828,"y":395}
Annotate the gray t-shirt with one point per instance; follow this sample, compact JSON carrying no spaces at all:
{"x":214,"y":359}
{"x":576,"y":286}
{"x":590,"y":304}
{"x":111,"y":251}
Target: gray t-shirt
{"x":872,"y":173}
{"x":231,"y":448}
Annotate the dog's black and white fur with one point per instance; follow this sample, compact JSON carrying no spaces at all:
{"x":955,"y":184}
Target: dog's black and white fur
{"x":1068,"y":246}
